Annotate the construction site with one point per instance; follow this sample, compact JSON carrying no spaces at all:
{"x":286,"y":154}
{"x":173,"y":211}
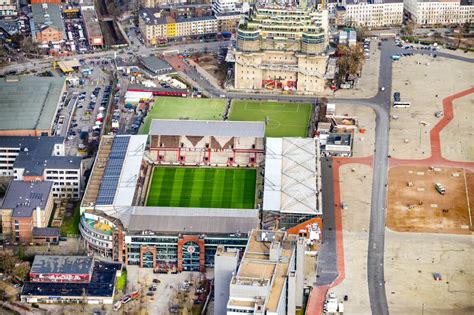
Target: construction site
{"x":434,"y":200}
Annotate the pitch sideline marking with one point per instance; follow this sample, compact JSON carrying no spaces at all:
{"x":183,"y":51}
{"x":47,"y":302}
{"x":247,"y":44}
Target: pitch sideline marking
{"x":467,"y":198}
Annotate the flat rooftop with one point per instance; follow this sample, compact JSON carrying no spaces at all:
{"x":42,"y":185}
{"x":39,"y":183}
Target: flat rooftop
{"x":45,"y":264}
{"x":29,"y":103}
{"x":36,"y":154}
{"x":291,"y":183}
{"x":102,"y":284}
{"x":339,"y":139}
{"x":25,"y":197}
{"x":92,"y":23}
{"x":258,"y":268}
{"x":176,"y":127}
{"x":155,"y":64}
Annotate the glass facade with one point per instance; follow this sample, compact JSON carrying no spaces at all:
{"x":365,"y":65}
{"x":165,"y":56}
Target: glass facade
{"x":167,"y":250}
{"x":191,"y":252}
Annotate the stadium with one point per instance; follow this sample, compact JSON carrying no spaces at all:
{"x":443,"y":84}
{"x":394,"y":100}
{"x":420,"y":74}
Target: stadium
{"x":167,"y":199}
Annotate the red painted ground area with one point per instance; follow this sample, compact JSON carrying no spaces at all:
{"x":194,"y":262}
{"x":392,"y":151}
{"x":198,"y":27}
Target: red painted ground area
{"x":436,"y":158}
{"x":318,"y":294}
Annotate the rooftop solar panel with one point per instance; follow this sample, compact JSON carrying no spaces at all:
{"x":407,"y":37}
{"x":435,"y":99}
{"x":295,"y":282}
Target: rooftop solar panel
{"x":111,"y":176}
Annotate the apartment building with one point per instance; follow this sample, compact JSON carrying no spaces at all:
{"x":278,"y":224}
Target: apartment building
{"x":8,"y":8}
{"x":466,"y":12}
{"x":431,"y":12}
{"x":26,"y":205}
{"x":157,"y":3}
{"x":47,"y":23}
{"x":227,"y":15}
{"x":158,"y":27}
{"x":373,"y":13}
{"x":382,"y":13}
{"x":270,"y":276}
{"x":42,"y":159}
{"x":282,"y":47}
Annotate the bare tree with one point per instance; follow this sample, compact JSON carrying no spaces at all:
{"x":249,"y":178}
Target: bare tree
{"x":7,"y":262}
{"x":21,"y":271}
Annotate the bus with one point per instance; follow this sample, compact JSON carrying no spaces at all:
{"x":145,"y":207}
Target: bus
{"x":401,"y":104}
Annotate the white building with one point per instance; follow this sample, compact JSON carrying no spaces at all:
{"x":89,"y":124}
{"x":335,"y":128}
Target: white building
{"x":223,"y":6}
{"x":432,"y":12}
{"x":270,"y":276}
{"x":378,"y":13}
{"x":8,"y":8}
{"x":225,"y":266}
{"x":42,"y":159}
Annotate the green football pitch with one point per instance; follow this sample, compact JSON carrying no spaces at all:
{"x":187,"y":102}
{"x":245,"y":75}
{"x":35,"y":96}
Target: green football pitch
{"x":283,"y":119}
{"x":184,"y":108}
{"x":203,"y":187}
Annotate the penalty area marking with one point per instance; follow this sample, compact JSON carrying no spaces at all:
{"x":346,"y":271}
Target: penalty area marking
{"x":264,"y":110}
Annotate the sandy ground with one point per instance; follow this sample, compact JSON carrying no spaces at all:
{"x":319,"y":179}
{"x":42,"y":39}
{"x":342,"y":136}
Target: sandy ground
{"x":363,"y":144}
{"x":419,"y":208}
{"x":410,"y":261}
{"x":367,"y":85}
{"x":354,"y":180}
{"x":455,"y":142}
{"x":424,"y":81}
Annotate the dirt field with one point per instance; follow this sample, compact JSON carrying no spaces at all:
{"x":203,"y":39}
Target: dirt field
{"x":420,"y":208}
{"x":210,"y":63}
{"x":424,"y":81}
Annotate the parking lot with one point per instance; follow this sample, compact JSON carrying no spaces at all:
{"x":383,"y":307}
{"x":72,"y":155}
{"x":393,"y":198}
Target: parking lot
{"x":88,"y":114}
{"x":169,"y":290}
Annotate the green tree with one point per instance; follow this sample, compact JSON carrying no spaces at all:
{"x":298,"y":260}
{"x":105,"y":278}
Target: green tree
{"x":350,"y":61}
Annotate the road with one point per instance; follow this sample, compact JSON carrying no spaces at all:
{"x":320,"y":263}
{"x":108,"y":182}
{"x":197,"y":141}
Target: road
{"x":379,"y":103}
{"x":141,"y":50}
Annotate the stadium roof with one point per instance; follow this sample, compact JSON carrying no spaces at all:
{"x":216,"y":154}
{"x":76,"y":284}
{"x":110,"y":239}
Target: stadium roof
{"x":190,"y":220}
{"x":174,"y":127}
{"x":45,"y":264}
{"x":25,"y":197}
{"x":291,"y":182}
{"x":121,"y":173}
{"x":29,"y":102}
